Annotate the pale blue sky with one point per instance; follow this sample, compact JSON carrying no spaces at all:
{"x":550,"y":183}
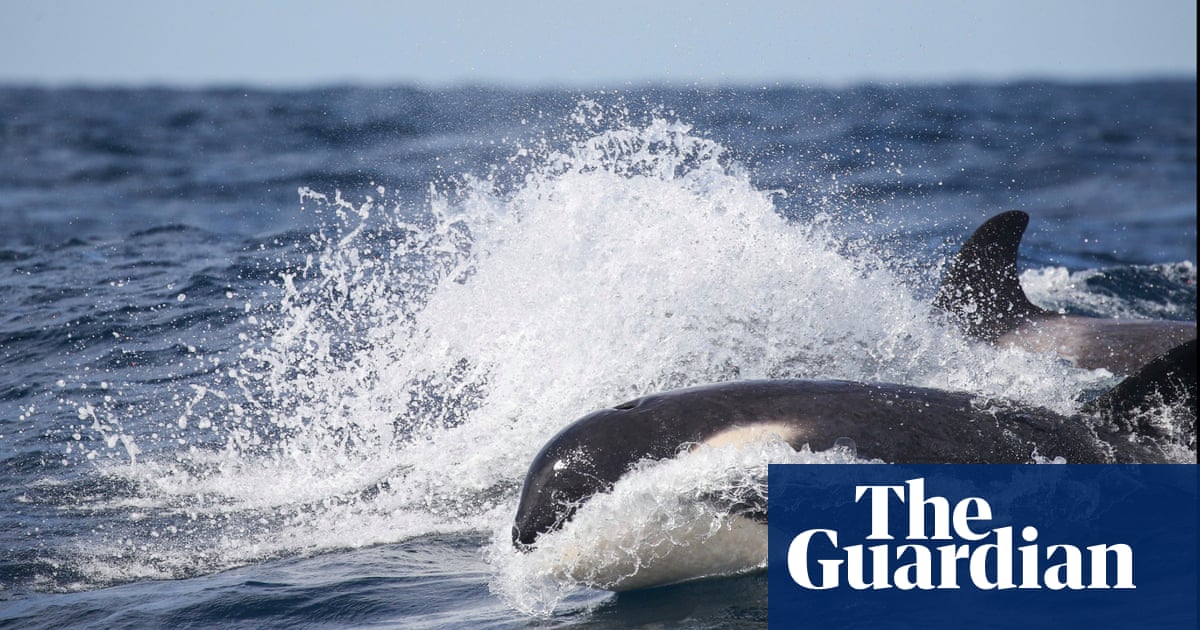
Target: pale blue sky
{"x":598,"y":43}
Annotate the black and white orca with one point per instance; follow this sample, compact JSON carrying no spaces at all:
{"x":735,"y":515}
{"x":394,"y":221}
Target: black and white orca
{"x":893,"y":423}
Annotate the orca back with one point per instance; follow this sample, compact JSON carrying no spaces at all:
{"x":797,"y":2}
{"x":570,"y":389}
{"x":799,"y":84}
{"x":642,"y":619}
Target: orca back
{"x":1168,"y":380}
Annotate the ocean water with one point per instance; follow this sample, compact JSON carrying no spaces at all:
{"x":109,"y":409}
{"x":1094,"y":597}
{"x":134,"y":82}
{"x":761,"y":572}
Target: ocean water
{"x":281,"y":358}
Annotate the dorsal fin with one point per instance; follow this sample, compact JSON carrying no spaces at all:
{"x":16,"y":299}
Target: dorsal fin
{"x":1168,"y":380}
{"x":981,"y":290}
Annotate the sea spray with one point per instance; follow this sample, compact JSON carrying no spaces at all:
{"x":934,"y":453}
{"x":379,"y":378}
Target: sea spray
{"x":1170,"y":291}
{"x":415,"y":358}
{"x":683,"y":515}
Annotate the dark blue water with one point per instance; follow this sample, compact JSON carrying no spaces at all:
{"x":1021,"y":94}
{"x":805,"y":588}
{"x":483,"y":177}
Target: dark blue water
{"x":280,"y":358}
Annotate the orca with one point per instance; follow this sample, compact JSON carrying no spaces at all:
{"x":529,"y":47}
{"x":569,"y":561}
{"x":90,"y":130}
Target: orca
{"x":982,"y":294}
{"x":893,"y":423}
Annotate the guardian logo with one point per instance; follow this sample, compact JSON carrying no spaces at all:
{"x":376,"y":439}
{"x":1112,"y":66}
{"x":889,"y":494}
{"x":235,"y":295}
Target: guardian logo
{"x":1000,"y":546}
{"x":976,"y":559}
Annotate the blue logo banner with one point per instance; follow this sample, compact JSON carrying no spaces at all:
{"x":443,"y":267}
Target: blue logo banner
{"x":982,"y":546}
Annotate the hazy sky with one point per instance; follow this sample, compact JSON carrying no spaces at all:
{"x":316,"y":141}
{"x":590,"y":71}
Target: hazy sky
{"x":277,"y":43}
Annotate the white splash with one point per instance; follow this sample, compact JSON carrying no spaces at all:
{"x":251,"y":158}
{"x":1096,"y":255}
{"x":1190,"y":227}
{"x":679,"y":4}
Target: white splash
{"x":664,"y":522}
{"x":418,"y":360}
{"x":1057,"y":288}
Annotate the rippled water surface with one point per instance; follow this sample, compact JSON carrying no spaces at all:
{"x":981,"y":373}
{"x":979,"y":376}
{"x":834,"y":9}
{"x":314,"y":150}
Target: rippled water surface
{"x":279,"y":358}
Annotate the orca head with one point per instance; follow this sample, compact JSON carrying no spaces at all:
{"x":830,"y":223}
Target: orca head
{"x":562,"y":477}
{"x":981,"y":290}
